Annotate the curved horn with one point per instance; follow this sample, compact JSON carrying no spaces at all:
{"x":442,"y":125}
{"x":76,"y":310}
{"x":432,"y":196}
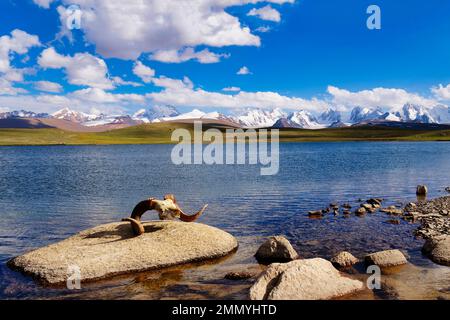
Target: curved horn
{"x":141,"y":208}
{"x":186,"y":218}
{"x":136,"y":225}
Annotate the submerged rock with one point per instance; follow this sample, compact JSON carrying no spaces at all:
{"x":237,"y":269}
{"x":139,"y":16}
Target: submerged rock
{"x":276,"y":249}
{"x":360,"y":211}
{"x":387,"y":258}
{"x":344,"y":259}
{"x":438,"y":249}
{"x":421,"y":190}
{"x":309,"y":279}
{"x":239,"y":275}
{"x":112,"y":249}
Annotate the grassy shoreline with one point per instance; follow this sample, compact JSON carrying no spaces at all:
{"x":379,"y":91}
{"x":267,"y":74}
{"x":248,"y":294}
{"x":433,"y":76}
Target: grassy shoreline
{"x":161,"y":134}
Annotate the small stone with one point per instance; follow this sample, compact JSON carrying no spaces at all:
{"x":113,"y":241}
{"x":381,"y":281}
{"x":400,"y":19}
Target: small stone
{"x":393,"y":221}
{"x":240,"y":275}
{"x":421,"y":190}
{"x":373,"y":201}
{"x":360,"y":211}
{"x":367,"y":206}
{"x":344,"y":259}
{"x":315,"y":213}
{"x":346,"y":206}
{"x":276,"y":248}
{"x":387,"y":258}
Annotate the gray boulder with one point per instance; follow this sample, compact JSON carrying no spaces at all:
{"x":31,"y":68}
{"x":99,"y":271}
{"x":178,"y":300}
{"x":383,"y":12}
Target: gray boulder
{"x":344,"y":259}
{"x":276,"y":249}
{"x":309,"y":279}
{"x":387,"y":258}
{"x":438,"y":249}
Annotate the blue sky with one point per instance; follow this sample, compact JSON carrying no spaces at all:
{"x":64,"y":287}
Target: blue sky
{"x":311,"y":55}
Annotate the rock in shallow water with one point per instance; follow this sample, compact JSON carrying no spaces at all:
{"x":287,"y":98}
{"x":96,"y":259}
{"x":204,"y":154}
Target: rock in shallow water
{"x":438,"y":249}
{"x":276,"y":249}
{"x":309,"y":279}
{"x":387,"y":258}
{"x":344,"y":259}
{"x":112,"y":249}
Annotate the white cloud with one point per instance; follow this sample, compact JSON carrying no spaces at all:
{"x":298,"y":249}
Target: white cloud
{"x":100,"y":96}
{"x":7,"y":88}
{"x":126,"y":29}
{"x":390,"y":98}
{"x":182,"y":94}
{"x":19,"y":42}
{"x":441,"y":92}
{"x":231,"y":89}
{"x":43,"y":3}
{"x":186,"y":54}
{"x":82,"y":69}
{"x":48,"y":86}
{"x":121,"y":82}
{"x":263,"y":29}
{"x":266,"y":13}
{"x":142,"y":71}
{"x":243,"y":71}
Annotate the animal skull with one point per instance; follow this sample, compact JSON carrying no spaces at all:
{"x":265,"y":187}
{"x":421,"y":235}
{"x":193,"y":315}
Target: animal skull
{"x":168,"y":209}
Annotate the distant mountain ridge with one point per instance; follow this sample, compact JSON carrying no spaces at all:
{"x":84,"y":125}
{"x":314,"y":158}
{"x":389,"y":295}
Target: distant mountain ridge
{"x":250,"y":117}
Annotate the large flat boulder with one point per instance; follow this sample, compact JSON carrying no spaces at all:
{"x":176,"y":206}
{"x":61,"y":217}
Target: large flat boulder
{"x":112,"y":249}
{"x":309,"y":279}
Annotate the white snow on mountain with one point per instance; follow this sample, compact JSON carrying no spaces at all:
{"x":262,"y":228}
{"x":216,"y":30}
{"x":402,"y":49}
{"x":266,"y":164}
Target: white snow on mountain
{"x":304,"y":119}
{"x":257,"y":118}
{"x":154,"y":113}
{"x":22,"y":114}
{"x":360,"y":114}
{"x":75,"y":116}
{"x":330,"y":116}
{"x":416,"y":113}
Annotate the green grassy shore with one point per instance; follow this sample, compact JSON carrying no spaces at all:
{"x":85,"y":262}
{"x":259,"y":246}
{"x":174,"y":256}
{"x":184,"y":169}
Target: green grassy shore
{"x":159,"y":133}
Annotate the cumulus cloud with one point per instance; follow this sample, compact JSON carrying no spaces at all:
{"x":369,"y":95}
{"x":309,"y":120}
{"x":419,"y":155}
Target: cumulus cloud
{"x":231,"y":89}
{"x":186,"y":54}
{"x":243,"y":71}
{"x":48,"y":86}
{"x":19,"y":42}
{"x":441,"y":92}
{"x":82,"y":69}
{"x":390,"y":98}
{"x":43,"y":3}
{"x":266,"y":13}
{"x":126,"y":29}
{"x":142,"y":71}
{"x":100,"y":96}
{"x":183,"y":94}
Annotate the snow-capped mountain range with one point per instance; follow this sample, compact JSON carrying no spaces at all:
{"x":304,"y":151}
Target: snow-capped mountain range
{"x":252,"y":118}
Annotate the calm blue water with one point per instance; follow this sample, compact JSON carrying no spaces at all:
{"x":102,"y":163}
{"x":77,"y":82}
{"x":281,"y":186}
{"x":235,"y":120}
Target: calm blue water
{"x":48,"y":193}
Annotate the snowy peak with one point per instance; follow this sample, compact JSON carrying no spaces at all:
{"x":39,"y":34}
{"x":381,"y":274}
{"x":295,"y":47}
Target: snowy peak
{"x":155,"y":112}
{"x":22,"y":114}
{"x":360,"y":114}
{"x":330,"y":116}
{"x":303,"y":119}
{"x":75,"y":116}
{"x":416,"y":113}
{"x":258,"y":118}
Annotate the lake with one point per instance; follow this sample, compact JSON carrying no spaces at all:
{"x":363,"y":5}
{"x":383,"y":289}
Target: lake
{"x":48,"y":193}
